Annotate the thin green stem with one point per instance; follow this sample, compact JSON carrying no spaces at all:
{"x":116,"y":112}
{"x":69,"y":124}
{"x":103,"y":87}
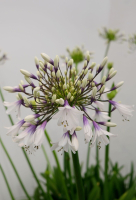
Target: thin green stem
{"x":14,"y":168}
{"x":29,"y":163}
{"x":54,"y":153}
{"x":6,"y":181}
{"x":47,"y":158}
{"x":97,"y":150}
{"x":107,"y":161}
{"x":106,"y":53}
{"x":77,"y":171}
{"x":58,"y":165}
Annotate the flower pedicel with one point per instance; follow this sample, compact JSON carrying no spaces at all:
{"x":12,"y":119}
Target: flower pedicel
{"x":68,"y":98}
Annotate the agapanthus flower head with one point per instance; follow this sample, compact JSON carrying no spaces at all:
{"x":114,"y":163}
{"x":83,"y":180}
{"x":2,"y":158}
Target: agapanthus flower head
{"x":78,"y":54}
{"x":111,"y":35}
{"x":69,"y":98}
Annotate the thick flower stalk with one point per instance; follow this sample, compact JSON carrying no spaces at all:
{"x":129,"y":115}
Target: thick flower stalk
{"x":69,"y":98}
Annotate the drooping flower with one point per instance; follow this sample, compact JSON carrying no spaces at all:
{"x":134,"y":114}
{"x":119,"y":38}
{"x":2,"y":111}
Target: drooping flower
{"x":99,"y":115}
{"x":64,"y":143}
{"x":101,"y":135}
{"x":14,"y":106}
{"x":87,"y":129}
{"x":67,"y":98}
{"x":68,"y":117}
{"x":125,"y":110}
{"x":13,"y":130}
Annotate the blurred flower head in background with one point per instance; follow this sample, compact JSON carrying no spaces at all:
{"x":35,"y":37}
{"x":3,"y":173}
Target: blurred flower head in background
{"x":111,"y":35}
{"x":77,"y":54}
{"x":132,"y":42}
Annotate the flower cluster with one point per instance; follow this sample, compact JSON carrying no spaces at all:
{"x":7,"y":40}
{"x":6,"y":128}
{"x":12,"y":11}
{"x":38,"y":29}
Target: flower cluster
{"x":111,"y":35}
{"x":69,"y":98}
{"x":77,"y":54}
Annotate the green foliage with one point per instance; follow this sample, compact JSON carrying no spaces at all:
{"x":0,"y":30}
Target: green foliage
{"x":120,"y":187}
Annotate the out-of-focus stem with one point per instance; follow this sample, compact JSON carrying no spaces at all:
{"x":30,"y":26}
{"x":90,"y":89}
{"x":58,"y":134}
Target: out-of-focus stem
{"x":14,"y":168}
{"x":107,"y":161}
{"x":9,"y":189}
{"x":58,"y":165}
{"x":106,"y":53}
{"x":77,"y":171}
{"x":47,"y":158}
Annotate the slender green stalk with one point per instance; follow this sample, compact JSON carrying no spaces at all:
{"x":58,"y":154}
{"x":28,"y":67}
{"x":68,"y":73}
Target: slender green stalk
{"x":97,"y":150}
{"x":29,"y":163}
{"x":9,"y":189}
{"x":107,"y":161}
{"x":54,"y":153}
{"x":58,"y":165}
{"x":106,"y":53}
{"x":47,"y":158}
{"x":77,"y":171}
{"x":14,"y":168}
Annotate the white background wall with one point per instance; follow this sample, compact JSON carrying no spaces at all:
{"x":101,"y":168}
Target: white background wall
{"x":28,"y":28}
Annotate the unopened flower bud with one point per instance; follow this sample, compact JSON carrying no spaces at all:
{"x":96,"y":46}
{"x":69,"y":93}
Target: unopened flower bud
{"x":20,"y":96}
{"x":112,"y":74}
{"x":26,"y":73}
{"x":8,"y":88}
{"x":94,"y":91}
{"x":53,"y":74}
{"x":56,"y":61}
{"x":92,"y":65}
{"x":86,"y":70}
{"x":47,"y":58}
{"x":93,"y":84}
{"x":111,"y":70}
{"x":110,"y":124}
{"x":26,"y":101}
{"x":57,"y":101}
{"x":104,"y":61}
{"x":53,"y":89}
{"x":21,"y":87}
{"x":71,"y":98}
{"x":103,"y":79}
{"x":58,"y":73}
{"x":69,"y":95}
{"x":53,"y":98}
{"x":84,"y":82}
{"x":90,"y":76}
{"x":79,"y":83}
{"x":22,"y":82}
{"x":119,"y":84}
{"x":39,"y":74}
{"x":102,"y":89}
{"x":36,"y":61}
{"x":85,"y":63}
{"x":97,"y":68}
{"x":28,"y":79}
{"x":64,"y":87}
{"x":78,"y":128}
{"x":41,"y":64}
{"x":61,"y":101}
{"x":88,"y":56}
